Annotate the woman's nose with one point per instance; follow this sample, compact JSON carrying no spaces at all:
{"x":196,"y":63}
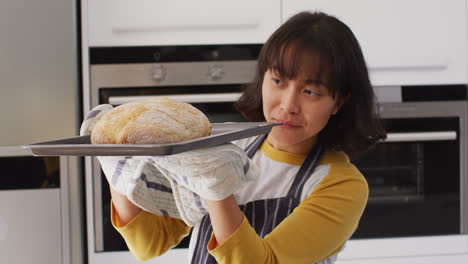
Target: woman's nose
{"x":290,"y":101}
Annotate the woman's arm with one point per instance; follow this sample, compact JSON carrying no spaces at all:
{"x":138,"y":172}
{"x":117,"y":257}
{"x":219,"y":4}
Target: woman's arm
{"x":225,"y":216}
{"x":146,"y":235}
{"x":125,"y":209}
{"x":315,"y":230}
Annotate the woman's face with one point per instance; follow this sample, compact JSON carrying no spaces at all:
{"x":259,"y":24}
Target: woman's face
{"x":302,"y":105}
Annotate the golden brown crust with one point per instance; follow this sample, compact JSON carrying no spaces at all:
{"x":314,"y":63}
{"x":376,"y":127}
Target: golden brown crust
{"x":156,"y":121}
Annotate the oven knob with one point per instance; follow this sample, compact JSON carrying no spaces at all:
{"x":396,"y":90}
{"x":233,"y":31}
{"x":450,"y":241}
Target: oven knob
{"x":216,"y":72}
{"x":158,"y":73}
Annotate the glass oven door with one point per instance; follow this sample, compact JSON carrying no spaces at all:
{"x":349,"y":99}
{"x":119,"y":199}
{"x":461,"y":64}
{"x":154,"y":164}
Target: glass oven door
{"x":414,"y":179}
{"x":418,"y":176}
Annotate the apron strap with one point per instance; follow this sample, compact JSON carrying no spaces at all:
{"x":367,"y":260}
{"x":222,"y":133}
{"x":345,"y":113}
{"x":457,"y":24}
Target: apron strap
{"x":305,"y":171}
{"x":254,"y":145}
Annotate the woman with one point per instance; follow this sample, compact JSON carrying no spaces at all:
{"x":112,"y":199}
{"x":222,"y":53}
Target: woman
{"x":308,"y":200}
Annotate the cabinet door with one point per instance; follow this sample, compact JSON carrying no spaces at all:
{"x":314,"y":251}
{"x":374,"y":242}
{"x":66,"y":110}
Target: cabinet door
{"x":30,"y":226}
{"x":404,"y":42}
{"x":177,"y":22}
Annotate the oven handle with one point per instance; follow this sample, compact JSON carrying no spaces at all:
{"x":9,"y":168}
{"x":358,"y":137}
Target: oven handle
{"x":187,"y":98}
{"x":421,"y":136}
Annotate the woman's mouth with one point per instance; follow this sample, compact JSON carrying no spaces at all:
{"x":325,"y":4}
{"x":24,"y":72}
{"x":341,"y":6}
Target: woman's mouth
{"x":287,"y":124}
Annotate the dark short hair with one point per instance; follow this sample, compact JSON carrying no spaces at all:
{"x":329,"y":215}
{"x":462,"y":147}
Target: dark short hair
{"x":356,"y":126}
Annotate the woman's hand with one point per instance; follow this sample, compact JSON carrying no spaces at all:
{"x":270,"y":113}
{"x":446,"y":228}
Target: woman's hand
{"x":225,"y":216}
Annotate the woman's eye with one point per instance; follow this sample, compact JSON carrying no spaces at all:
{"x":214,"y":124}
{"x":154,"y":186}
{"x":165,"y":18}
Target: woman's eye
{"x":276,"y":81}
{"x":310,"y":92}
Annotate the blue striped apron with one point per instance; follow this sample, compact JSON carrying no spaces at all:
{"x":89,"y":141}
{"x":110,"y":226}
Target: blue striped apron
{"x":263,"y":215}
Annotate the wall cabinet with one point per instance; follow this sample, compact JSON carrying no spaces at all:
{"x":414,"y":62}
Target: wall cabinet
{"x":157,"y":22}
{"x":404,"y":42}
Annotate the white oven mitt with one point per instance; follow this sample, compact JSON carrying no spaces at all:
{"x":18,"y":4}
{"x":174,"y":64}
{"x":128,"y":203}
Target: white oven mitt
{"x":92,"y":117}
{"x":175,"y":185}
{"x":211,"y":172}
{"x":204,"y":174}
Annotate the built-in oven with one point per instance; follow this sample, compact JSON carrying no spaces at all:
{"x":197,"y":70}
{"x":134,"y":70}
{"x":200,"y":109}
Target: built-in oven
{"x":418,"y":182}
{"x":209,"y":77}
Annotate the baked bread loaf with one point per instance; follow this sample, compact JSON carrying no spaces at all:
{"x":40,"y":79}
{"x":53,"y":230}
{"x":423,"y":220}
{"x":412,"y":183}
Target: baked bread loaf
{"x":157,"y":121}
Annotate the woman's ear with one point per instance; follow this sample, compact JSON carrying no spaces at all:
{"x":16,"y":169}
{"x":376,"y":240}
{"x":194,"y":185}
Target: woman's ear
{"x":341,"y":103}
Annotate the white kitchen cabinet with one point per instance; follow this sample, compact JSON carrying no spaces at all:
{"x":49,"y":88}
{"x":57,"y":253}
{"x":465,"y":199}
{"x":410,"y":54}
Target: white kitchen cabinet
{"x":34,"y":221}
{"x":30,"y":226}
{"x":404,"y":42}
{"x":177,"y":22}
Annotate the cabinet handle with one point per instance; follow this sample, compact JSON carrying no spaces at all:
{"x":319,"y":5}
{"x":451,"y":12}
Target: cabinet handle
{"x":185,"y":27}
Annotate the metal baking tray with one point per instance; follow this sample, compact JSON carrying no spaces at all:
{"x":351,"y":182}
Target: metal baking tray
{"x":221,"y":133}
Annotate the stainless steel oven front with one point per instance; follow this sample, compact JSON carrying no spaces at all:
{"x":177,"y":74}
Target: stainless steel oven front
{"x":208,"y":77}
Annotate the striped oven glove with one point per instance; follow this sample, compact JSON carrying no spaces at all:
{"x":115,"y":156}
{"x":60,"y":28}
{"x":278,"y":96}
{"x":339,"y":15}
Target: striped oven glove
{"x":175,"y":185}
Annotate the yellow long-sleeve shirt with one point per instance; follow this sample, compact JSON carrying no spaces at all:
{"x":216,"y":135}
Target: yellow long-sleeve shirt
{"x":334,"y":199}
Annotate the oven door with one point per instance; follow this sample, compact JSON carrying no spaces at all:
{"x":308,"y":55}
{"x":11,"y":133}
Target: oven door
{"x":414,"y":180}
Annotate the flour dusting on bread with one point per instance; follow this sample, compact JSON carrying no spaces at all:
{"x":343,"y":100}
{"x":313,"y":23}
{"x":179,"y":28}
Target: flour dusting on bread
{"x":157,"y":121}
